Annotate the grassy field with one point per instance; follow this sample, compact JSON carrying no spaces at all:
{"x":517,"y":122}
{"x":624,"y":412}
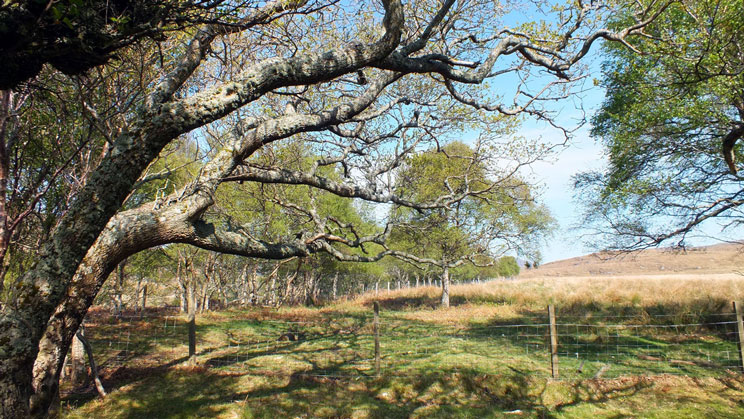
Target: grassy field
{"x":486,"y":356}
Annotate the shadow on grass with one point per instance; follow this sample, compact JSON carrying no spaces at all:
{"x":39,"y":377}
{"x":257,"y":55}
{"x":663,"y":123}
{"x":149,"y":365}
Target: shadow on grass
{"x":633,"y":342}
{"x":431,"y":301}
{"x":321,"y":393}
{"x":319,"y":375}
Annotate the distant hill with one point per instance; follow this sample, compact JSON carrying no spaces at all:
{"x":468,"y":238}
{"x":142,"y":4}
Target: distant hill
{"x":716,"y":259}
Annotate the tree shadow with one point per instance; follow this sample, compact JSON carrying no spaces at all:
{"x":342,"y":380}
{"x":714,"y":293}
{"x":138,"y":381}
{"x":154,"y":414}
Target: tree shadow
{"x":595,"y":343}
{"x":328,"y":370}
{"x":429,"y":301}
{"x":331,"y":392}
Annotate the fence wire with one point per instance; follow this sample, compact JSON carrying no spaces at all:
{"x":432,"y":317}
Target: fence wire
{"x":588,"y":346}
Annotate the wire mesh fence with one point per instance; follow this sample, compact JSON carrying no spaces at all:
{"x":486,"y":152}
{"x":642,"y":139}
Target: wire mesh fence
{"x":589,"y":346}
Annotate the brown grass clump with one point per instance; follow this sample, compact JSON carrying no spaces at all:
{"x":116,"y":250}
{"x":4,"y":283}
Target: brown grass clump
{"x":643,"y":291}
{"x":653,"y":294}
{"x":463,"y":314}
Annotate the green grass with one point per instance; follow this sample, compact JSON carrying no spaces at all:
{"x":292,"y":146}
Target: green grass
{"x":435,"y":363}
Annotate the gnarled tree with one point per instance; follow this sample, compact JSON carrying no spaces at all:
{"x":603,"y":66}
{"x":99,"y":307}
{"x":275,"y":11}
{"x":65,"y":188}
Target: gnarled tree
{"x":364,"y":85}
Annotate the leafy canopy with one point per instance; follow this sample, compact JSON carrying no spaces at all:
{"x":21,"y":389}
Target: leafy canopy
{"x":500,"y":214}
{"x":670,"y":123}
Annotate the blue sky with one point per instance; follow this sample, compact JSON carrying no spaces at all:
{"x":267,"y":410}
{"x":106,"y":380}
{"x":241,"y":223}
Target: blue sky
{"x":555,"y":178}
{"x":554,"y":175}
{"x":581,"y":153}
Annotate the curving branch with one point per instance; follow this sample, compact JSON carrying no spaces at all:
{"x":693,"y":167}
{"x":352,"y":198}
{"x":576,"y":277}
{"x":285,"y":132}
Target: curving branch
{"x":727,"y":147}
{"x":294,"y":177}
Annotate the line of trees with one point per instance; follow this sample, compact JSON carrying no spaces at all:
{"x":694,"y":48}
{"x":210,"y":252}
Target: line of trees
{"x":180,"y":276}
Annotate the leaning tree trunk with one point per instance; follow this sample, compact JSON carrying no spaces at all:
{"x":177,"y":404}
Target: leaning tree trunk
{"x":103,"y":258}
{"x":445,"y":287}
{"x":78,"y":372}
{"x":92,"y":362}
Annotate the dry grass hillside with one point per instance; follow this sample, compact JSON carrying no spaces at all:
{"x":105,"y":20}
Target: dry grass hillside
{"x":721,"y":259}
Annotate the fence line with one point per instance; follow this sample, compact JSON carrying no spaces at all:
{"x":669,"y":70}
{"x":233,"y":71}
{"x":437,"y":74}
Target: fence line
{"x":583,"y":349}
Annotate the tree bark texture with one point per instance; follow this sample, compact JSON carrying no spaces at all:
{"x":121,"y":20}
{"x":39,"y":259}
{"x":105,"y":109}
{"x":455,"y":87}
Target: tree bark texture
{"x":445,"y":287}
{"x":78,"y":371}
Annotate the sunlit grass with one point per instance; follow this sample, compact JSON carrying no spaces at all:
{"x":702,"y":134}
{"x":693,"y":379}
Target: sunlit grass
{"x":465,"y":361}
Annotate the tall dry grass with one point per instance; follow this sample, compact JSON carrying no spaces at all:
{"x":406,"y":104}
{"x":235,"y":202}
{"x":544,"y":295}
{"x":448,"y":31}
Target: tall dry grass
{"x":677,"y":295}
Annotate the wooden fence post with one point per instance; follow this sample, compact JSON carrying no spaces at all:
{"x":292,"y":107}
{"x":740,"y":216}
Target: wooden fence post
{"x":553,"y":343}
{"x":740,"y":331}
{"x":377,"y":338}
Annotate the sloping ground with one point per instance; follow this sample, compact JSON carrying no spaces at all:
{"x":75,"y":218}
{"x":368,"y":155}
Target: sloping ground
{"x":705,"y":260}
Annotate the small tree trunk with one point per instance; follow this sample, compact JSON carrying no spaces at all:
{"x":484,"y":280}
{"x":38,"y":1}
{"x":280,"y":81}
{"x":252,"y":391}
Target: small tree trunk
{"x":417,"y":281}
{"x":202,"y":300}
{"x":252,"y":283}
{"x":184,"y":300}
{"x":272,"y":292}
{"x":307,"y":291}
{"x":144,"y":300}
{"x":244,"y":286}
{"x":77,"y":358}
{"x":119,"y":290}
{"x":136,"y":298}
{"x":184,"y":287}
{"x":317,"y":288}
{"x":445,"y":287}
{"x":192,"y":322}
{"x":92,"y":362}
{"x":335,"y":286}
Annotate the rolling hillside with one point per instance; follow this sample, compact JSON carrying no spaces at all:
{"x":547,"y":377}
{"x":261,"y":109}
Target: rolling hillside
{"x":705,"y":260}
